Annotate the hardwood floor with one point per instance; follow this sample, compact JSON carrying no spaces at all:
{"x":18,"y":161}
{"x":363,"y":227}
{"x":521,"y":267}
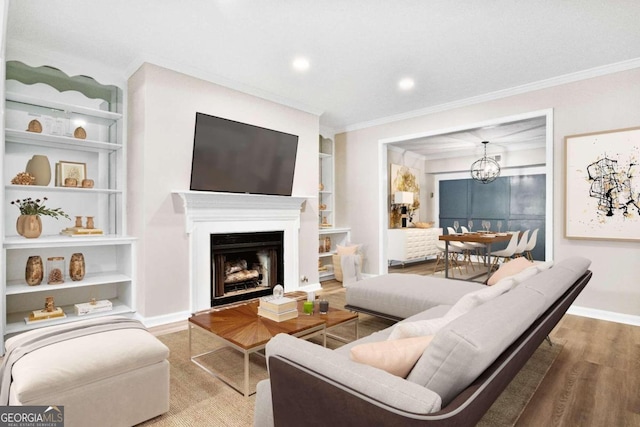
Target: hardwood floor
{"x":595,"y":381}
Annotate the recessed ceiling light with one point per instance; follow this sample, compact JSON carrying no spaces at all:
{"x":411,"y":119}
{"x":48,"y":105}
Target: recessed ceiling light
{"x":300,"y":64}
{"x":406,"y":84}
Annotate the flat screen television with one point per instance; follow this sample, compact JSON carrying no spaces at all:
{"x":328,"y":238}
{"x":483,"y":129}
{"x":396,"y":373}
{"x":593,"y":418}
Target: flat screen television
{"x":234,"y":157}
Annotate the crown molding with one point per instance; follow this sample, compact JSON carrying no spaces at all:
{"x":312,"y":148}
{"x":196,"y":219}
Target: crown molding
{"x":491,"y":96}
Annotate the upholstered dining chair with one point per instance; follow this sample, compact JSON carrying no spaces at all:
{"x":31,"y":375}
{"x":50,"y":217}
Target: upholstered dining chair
{"x":522,"y":244}
{"x":531,"y":244}
{"x":507,"y":252}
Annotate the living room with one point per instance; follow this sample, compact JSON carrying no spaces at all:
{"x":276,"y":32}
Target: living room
{"x":164,"y":93}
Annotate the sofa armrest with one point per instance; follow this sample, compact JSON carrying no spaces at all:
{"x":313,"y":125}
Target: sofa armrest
{"x":363,"y":381}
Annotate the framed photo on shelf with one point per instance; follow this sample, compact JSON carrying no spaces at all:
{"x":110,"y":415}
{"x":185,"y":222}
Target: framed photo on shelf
{"x":602,"y":177}
{"x":69,"y":171}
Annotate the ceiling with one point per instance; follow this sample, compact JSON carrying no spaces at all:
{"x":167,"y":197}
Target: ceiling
{"x":358,"y":50}
{"x":503,"y":137}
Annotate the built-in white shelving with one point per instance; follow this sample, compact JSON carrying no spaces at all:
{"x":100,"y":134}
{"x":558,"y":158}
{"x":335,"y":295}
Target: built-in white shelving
{"x":48,"y":95}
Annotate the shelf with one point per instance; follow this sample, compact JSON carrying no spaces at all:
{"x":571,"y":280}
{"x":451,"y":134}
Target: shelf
{"x":59,"y":241}
{"x":62,"y":107}
{"x":57,"y":141}
{"x":334,"y":230}
{"x":16,"y":323}
{"x":325,"y":192}
{"x":326,"y":254}
{"x":324,"y":155}
{"x":18,"y":287}
{"x":50,"y":189}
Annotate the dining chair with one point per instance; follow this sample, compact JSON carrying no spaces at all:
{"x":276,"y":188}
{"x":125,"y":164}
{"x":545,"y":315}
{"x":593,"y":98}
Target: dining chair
{"x":522,"y":244}
{"x":531,"y":244}
{"x":453,"y":257}
{"x":479,"y":248}
{"x":507,"y":252}
{"x":466,"y":249}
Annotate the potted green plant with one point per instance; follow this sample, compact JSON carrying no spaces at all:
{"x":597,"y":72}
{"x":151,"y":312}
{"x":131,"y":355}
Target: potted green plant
{"x":29,"y":224}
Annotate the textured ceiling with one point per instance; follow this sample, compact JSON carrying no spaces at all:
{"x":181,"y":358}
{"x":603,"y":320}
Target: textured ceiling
{"x":358,"y":50}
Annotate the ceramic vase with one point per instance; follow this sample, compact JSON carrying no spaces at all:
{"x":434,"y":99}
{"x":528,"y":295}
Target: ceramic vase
{"x":40,"y":168}
{"x":34,"y":272}
{"x":29,"y":226}
{"x":76,"y":267}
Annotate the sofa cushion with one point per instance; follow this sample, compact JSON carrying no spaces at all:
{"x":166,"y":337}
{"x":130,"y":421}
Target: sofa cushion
{"x":403,"y":295}
{"x":509,"y":269}
{"x":395,"y":356}
{"x":464,"y":348}
{"x":553,"y":282}
{"x":347,"y":250}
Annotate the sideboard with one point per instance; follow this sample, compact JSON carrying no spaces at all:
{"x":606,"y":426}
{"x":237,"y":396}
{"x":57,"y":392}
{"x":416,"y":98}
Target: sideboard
{"x":411,"y":244}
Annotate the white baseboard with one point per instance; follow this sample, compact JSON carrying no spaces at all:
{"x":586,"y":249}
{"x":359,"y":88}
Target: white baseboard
{"x":165,"y":319}
{"x":610,"y":316}
{"x":311,"y":287}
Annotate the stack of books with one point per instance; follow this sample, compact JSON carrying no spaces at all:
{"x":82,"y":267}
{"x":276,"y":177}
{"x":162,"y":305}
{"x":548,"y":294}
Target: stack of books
{"x":278,"y":309}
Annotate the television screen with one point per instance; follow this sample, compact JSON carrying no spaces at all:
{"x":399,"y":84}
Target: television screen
{"x":230,"y":156}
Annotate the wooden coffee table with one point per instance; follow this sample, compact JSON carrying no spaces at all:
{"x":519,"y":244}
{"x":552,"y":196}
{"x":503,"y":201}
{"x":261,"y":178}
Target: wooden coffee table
{"x":240,"y":328}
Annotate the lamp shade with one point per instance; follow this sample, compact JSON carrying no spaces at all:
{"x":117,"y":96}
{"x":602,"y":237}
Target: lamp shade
{"x":403,"y":198}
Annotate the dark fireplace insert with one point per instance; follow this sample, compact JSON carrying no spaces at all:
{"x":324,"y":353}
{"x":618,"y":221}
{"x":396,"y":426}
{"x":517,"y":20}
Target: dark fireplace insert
{"x":245,"y":265}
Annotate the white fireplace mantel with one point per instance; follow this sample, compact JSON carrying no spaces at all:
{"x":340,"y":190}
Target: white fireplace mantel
{"x":209,"y":213}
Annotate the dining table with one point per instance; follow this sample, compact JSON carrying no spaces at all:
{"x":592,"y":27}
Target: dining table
{"x":487,"y":239}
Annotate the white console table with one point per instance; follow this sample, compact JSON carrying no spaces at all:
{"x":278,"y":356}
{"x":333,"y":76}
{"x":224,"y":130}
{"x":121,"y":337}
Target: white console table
{"x":411,"y":244}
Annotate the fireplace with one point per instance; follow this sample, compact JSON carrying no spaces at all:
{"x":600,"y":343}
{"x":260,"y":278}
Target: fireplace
{"x":245,"y":265}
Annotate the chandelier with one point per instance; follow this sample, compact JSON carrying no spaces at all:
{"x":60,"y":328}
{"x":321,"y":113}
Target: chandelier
{"x":485,"y":169}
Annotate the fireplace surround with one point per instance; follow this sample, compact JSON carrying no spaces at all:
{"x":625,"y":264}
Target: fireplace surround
{"x":208,"y":213}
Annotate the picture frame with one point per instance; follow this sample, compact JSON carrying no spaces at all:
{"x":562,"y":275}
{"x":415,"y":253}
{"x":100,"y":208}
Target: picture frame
{"x":602,"y":185}
{"x":66,"y":169}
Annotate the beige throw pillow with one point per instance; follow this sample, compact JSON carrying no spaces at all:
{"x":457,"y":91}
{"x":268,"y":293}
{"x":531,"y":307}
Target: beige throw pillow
{"x":396,"y":357}
{"x":347,"y":250}
{"x":509,"y":269}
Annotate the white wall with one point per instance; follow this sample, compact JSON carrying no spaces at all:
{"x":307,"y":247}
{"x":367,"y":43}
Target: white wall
{"x":591,"y":105}
{"x":162,"y":107}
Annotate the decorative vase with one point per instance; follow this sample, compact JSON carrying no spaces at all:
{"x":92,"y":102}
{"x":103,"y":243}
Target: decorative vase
{"x":29,"y":226}
{"x":34,"y":272}
{"x":90,"y":224}
{"x":40,"y":168}
{"x":76,"y":267}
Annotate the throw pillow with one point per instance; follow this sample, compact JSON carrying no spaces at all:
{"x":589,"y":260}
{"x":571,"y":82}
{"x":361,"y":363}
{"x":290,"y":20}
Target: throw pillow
{"x":544,"y":266}
{"x":396,"y":357}
{"x":473,"y":299}
{"x":525,"y":274}
{"x":347,"y":250}
{"x":418,"y":328}
{"x":509,"y":269}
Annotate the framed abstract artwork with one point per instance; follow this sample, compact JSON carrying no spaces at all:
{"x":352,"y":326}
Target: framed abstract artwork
{"x":603,"y":185}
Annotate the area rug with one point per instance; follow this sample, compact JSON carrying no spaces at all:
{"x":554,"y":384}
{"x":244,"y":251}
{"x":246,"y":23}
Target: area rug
{"x":199,"y":399}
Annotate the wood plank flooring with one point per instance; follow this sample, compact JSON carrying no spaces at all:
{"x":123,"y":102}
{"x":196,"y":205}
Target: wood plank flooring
{"x":595,"y":381}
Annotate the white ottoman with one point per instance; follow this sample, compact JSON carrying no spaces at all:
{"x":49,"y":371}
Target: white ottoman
{"x":110,"y":378}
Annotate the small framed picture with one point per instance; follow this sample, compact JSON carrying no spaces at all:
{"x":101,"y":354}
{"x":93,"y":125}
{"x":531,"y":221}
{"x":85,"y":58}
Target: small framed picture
{"x":70,"y":174}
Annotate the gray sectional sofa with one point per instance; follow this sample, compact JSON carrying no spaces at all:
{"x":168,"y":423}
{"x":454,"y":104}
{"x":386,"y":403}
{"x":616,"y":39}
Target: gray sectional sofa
{"x":482,"y":336}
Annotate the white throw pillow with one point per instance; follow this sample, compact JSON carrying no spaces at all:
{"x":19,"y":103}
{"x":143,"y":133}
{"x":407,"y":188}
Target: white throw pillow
{"x":544,"y":266}
{"x":418,"y":328}
{"x":465,"y":304}
{"x":509,"y":269}
{"x":525,"y":274}
{"x":396,"y":357}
